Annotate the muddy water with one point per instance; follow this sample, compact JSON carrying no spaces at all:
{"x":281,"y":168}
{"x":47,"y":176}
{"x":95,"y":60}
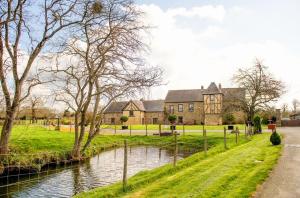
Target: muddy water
{"x":103,"y":169}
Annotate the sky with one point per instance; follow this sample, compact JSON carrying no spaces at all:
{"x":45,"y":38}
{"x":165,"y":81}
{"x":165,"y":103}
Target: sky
{"x":201,"y":41}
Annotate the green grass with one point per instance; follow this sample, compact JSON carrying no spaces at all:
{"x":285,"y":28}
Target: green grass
{"x":34,"y":144}
{"x":178,"y":127}
{"x":232,"y":173}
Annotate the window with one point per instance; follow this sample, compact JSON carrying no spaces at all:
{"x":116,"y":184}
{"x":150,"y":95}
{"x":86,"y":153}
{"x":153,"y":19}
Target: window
{"x":112,"y":120}
{"x":191,"y":107}
{"x":155,"y":120}
{"x":171,"y":109}
{"x":131,"y":113}
{"x":180,"y":108}
{"x":180,"y":119}
{"x":212,"y":98}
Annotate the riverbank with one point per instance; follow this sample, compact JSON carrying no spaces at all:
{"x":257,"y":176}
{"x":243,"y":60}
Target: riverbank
{"x":235,"y":172}
{"x":33,"y":147}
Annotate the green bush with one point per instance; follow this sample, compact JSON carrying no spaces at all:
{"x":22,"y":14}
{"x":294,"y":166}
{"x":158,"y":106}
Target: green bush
{"x":172,"y":118}
{"x":274,"y":119}
{"x":228,"y":118}
{"x":275,"y":138}
{"x":265,"y":121}
{"x":257,"y":124}
{"x":123,"y":119}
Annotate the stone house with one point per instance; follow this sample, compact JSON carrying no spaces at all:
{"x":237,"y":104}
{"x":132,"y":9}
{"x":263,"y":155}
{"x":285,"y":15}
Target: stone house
{"x":192,"y":106}
{"x":138,"y":112}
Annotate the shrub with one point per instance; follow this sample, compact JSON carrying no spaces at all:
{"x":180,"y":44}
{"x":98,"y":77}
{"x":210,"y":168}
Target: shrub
{"x":123,"y":119}
{"x":265,"y":121}
{"x":172,"y":118}
{"x":275,"y":138}
{"x":228,"y":118}
{"x":273,"y":119}
{"x":257,"y":124}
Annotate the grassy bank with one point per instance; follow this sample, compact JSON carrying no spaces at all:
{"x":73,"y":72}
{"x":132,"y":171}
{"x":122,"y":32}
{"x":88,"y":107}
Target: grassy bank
{"x":178,"y":127}
{"x":232,"y":173}
{"x":34,"y":146}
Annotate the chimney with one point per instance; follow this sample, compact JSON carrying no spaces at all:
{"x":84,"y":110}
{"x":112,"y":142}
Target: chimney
{"x":202,"y":87}
{"x":220,"y":86}
{"x":142,"y":99}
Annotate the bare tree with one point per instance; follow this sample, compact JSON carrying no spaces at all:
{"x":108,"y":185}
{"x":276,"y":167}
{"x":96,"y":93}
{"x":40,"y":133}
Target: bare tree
{"x":261,"y":88}
{"x":285,"y":110}
{"x":101,"y":63}
{"x":35,"y":101}
{"x":26,"y":27}
{"x":295,"y":104}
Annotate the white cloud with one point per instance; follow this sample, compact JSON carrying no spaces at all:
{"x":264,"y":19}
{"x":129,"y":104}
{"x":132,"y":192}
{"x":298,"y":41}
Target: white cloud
{"x":204,"y":12}
{"x":192,"y":58}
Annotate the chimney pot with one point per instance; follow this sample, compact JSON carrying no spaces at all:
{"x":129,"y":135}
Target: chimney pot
{"x":202,"y":87}
{"x":220,"y":86}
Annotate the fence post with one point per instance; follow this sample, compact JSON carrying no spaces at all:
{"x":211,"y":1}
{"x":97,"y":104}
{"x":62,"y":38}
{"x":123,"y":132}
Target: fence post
{"x":146,"y":130}
{"x":115,"y":129}
{"x":175,"y":149}
{"x":183,"y":129}
{"x":159,"y":128}
{"x":125,"y":166}
{"x":225,"y":146}
{"x":130,"y":130}
{"x":205,"y":142}
{"x":236,"y":135}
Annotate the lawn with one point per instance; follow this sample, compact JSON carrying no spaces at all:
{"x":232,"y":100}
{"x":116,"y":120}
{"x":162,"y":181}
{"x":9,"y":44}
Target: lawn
{"x":29,"y":143}
{"x":235,"y":172}
{"x":178,"y":127}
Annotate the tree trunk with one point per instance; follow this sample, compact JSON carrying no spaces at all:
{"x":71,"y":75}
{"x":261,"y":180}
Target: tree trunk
{"x":76,"y":150}
{"x":6,"y":131}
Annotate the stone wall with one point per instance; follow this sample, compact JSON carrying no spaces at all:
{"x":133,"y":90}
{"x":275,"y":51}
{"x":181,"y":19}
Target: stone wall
{"x":213,"y":119}
{"x":150,"y":115}
{"x":137,"y":118}
{"x":108,"y":116}
{"x":195,"y":117}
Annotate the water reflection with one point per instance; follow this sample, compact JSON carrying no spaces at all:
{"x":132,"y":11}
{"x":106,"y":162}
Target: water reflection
{"x":103,"y":169}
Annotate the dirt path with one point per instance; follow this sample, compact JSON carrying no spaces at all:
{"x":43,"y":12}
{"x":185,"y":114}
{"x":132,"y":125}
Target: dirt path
{"x":284,"y":181}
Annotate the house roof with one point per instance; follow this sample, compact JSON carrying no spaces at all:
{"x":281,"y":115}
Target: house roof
{"x":196,"y":95}
{"x":139,"y":104}
{"x":116,"y":107}
{"x":142,"y":105}
{"x":186,"y":95}
{"x":212,"y":89}
{"x":154,"y":105}
{"x":233,"y":93}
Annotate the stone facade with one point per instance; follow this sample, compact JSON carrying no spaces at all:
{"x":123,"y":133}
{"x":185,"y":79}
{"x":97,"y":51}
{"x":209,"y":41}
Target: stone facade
{"x":194,"y":106}
{"x":137,"y":111}
{"x":190,"y":112}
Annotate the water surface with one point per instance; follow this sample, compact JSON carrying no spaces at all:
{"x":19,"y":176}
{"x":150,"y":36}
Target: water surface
{"x":103,"y":169}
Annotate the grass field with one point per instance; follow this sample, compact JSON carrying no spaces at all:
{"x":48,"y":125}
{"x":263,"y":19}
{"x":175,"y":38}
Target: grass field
{"x":178,"y":127}
{"x":30,"y":142}
{"x":232,"y":173}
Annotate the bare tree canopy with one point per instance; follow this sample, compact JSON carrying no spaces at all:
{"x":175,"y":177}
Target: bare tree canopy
{"x":100,"y":63}
{"x":26,"y":27}
{"x":261,"y":88}
{"x":295,"y":104}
